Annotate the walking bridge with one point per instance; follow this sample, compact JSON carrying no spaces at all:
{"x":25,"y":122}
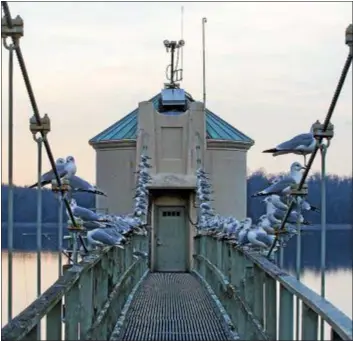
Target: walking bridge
{"x":229,"y":293}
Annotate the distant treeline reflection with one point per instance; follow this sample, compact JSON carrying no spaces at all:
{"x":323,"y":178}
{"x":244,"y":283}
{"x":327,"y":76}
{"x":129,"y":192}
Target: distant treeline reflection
{"x":339,"y":200}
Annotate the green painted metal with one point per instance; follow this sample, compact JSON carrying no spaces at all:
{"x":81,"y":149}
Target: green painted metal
{"x":285,"y":314}
{"x":309,"y":323}
{"x":54,"y":324}
{"x":94,"y":293}
{"x":249,"y":290}
{"x":171,"y":236}
{"x":126,"y":128}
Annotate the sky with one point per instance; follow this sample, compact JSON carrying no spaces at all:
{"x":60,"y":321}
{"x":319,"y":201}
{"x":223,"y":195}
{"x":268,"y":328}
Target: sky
{"x":271,"y":71}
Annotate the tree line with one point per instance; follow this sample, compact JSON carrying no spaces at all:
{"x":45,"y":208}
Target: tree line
{"x":338,"y":199}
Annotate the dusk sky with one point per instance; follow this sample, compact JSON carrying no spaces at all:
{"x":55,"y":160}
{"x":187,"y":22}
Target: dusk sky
{"x":272,"y":69}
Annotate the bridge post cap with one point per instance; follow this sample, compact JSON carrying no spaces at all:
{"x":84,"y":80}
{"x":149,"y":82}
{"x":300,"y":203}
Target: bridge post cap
{"x":16,"y":31}
{"x":349,"y":35}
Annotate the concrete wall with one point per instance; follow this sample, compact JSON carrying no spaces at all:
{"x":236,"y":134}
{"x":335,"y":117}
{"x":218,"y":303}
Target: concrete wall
{"x":171,"y":142}
{"x":227,"y":168}
{"x":115,"y":176}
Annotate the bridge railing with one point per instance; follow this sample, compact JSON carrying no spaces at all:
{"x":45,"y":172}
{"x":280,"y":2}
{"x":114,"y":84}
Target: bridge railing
{"x":246,"y":285}
{"x":88,"y":297}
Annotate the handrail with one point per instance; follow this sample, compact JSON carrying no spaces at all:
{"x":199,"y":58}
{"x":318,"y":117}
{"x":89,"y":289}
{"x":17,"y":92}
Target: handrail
{"x":120,"y":266}
{"x":30,"y":316}
{"x":340,"y":323}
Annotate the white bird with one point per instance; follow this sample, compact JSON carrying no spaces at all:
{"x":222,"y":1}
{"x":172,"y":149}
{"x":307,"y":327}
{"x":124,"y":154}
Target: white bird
{"x":278,"y":203}
{"x":258,"y":237}
{"x":302,"y":144}
{"x":83,"y":213}
{"x":80,"y":185}
{"x":105,"y":237}
{"x":63,"y":168}
{"x":282,"y":187}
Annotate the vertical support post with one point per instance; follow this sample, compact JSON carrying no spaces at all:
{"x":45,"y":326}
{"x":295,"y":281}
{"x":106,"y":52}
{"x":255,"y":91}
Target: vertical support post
{"x":60,"y":237}
{"x":281,"y":257}
{"x":286,"y":314}
{"x":10,"y":174}
{"x":323,"y":150}
{"x":309,"y":323}
{"x":204,"y":21}
{"x":259,"y":294}
{"x":54,"y":323}
{"x":298,"y":267}
{"x":271,"y":307}
{"x":39,"y":224}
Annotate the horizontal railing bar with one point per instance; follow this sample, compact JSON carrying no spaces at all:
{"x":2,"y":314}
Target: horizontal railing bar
{"x":24,"y":322}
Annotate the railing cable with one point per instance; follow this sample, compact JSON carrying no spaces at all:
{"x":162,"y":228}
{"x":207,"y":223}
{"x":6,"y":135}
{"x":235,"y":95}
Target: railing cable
{"x":32,"y":99}
{"x":312,"y":156}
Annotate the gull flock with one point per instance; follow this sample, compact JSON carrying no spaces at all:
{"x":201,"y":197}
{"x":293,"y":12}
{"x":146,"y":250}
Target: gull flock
{"x":103,"y":229}
{"x":113,"y":230}
{"x":261,"y":235}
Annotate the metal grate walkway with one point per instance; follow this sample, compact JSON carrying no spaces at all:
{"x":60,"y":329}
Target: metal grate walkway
{"x":173,"y":306}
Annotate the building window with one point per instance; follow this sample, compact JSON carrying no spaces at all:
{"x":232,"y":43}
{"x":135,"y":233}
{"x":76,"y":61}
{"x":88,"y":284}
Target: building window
{"x":171,"y":214}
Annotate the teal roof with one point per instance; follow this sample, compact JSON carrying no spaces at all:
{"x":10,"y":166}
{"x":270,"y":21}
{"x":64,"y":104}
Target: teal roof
{"x":126,"y":128}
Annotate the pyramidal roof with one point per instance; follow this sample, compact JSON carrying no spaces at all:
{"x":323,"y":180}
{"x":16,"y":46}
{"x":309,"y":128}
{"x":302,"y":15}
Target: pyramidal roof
{"x":126,"y":128}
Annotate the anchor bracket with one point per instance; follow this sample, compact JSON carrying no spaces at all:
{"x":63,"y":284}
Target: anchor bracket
{"x":295,"y":191}
{"x":65,"y":185}
{"x":16,"y":29}
{"x":319,"y":131}
{"x":43,"y":127}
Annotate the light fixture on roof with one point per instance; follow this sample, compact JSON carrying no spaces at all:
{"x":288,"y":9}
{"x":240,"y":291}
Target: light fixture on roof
{"x":174,"y":74}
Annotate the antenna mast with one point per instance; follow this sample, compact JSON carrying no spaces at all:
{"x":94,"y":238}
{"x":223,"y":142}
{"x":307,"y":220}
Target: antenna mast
{"x":204,"y":21}
{"x":175,"y":74}
{"x":182,"y":38}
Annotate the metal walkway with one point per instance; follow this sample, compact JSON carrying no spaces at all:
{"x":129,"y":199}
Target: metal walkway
{"x":173,"y":306}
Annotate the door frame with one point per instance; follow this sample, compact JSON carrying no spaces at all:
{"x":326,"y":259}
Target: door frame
{"x":156,"y":227}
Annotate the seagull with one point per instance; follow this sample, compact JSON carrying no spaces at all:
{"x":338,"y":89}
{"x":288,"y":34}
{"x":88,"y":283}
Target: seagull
{"x":305,"y":205}
{"x":283,"y":185}
{"x":80,"y":185}
{"x":277,"y":202}
{"x":84,"y":213}
{"x":258,"y":237}
{"x":105,"y":237}
{"x":302,"y":144}
{"x":275,"y":215}
{"x":63,"y":168}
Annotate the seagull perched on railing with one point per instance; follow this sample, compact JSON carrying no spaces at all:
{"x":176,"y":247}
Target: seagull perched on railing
{"x":64,"y":169}
{"x":302,"y":144}
{"x":83,"y":213}
{"x":283,"y":185}
{"x":80,"y":185}
{"x":105,"y":237}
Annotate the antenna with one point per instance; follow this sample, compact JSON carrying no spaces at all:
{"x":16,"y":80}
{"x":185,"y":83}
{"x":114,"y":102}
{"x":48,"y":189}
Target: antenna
{"x":204,"y":21}
{"x":182,"y":38}
{"x":175,"y":73}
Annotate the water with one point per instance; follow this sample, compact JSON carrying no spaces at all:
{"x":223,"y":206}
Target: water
{"x":338,"y":274}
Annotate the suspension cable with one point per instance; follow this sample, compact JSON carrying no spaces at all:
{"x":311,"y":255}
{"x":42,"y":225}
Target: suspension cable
{"x":32,"y":99}
{"x":312,"y":156}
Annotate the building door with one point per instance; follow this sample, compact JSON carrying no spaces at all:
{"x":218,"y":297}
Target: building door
{"x":171,"y":240}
